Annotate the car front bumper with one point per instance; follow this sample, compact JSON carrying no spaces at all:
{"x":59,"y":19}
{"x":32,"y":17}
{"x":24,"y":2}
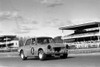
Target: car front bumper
{"x":52,"y":52}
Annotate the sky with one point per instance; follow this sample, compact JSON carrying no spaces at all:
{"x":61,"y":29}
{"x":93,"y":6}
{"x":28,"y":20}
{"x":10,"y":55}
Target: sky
{"x":45,"y":17}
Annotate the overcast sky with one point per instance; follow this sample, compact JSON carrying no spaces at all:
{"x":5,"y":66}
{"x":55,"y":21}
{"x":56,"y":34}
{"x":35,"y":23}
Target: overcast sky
{"x":44,"y":17}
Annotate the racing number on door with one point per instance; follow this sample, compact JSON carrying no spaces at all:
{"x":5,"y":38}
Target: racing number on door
{"x":32,"y":51}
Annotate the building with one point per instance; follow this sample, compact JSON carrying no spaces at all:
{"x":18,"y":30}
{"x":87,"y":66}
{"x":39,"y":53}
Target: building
{"x":85,"y":35}
{"x":8,"y":41}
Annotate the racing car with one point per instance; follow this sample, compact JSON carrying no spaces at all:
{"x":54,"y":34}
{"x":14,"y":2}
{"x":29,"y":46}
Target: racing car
{"x":42,"y":47}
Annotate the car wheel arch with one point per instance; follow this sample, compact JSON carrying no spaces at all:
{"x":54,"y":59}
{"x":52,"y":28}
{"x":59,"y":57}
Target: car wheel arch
{"x":21,"y":51}
{"x":40,"y":49}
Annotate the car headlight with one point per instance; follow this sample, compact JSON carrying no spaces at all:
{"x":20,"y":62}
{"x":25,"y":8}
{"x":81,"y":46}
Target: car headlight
{"x":67,"y":46}
{"x":48,"y":47}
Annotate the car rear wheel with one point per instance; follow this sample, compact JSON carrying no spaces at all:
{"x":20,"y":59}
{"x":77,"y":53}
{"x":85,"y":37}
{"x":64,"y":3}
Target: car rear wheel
{"x":41,"y":55}
{"x":22,"y":55}
{"x":64,"y":56}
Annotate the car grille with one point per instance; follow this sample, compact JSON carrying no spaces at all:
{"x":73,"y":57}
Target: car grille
{"x":57,"y":49}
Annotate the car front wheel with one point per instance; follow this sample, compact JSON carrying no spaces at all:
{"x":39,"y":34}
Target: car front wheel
{"x":22,"y":55}
{"x":41,"y":55}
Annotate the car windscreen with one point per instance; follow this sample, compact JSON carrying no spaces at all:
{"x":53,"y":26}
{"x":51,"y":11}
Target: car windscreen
{"x":44,"y":40}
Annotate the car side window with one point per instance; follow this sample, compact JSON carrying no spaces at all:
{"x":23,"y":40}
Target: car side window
{"x":28,"y":42}
{"x":33,"y":41}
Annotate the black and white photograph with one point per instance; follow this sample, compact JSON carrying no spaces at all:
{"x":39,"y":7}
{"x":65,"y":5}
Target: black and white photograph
{"x":49,"y":33}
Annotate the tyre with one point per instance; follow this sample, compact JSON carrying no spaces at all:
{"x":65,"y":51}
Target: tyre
{"x":41,"y":55}
{"x":22,"y":55}
{"x":64,"y":56}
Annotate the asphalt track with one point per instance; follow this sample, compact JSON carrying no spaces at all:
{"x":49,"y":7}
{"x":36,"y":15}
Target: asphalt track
{"x":71,"y":61}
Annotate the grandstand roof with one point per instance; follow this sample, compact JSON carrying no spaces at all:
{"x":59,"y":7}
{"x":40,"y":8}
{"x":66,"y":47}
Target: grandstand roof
{"x":81,"y":26}
{"x":8,"y":36}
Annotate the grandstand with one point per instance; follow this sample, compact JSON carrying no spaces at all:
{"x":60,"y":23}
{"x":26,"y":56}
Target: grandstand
{"x":8,"y":42}
{"x":84,"y":36}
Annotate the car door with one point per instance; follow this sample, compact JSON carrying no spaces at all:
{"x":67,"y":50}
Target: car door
{"x":32,"y":47}
{"x":27,"y":47}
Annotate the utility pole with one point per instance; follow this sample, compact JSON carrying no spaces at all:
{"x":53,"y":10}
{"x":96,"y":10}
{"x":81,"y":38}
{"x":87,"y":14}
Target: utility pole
{"x":62,"y":35}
